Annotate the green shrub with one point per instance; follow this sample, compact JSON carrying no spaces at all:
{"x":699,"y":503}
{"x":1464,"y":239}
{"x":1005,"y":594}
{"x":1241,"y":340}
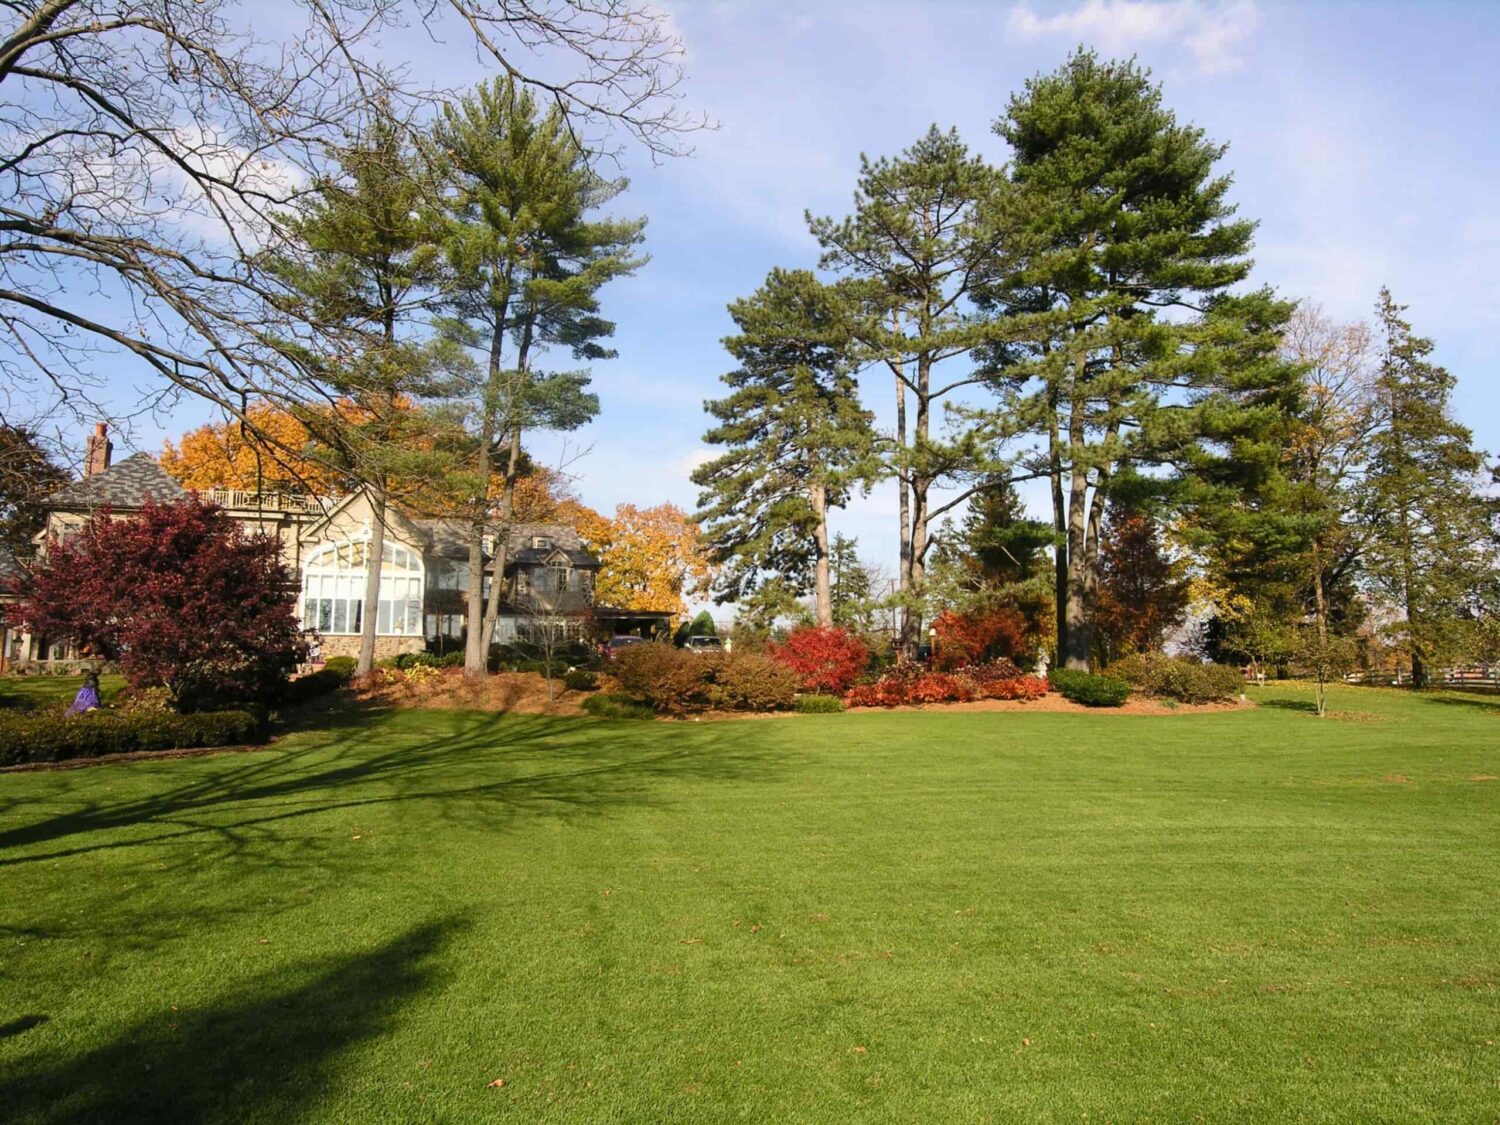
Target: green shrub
{"x":747,"y":682}
{"x":341,"y":666}
{"x":56,"y":738}
{"x":1177,"y":678}
{"x":313,"y":685}
{"x":580,"y":679}
{"x":1088,"y":689}
{"x":819,"y":704}
{"x":614,"y":705}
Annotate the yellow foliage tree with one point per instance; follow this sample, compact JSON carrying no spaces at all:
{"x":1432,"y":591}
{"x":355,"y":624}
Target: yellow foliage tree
{"x":228,"y":455}
{"x":649,"y":557}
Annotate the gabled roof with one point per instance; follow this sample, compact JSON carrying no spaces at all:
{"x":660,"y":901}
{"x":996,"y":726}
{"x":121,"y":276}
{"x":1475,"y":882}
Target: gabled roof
{"x":124,"y":485}
{"x":540,"y":556}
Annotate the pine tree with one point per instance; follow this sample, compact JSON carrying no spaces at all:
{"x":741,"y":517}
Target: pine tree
{"x":920,"y":237}
{"x":365,"y":261}
{"x":1114,"y":213}
{"x":1432,"y":536}
{"x":797,"y":440}
{"x":527,"y":265}
{"x":850,"y":581}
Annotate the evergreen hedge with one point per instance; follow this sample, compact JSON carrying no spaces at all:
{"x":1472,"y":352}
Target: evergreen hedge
{"x":1088,"y":689}
{"x":54,"y":737}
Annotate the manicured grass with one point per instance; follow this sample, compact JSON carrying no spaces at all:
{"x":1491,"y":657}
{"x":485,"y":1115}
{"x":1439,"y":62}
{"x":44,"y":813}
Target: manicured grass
{"x":906,"y":917}
{"x":44,"y":691}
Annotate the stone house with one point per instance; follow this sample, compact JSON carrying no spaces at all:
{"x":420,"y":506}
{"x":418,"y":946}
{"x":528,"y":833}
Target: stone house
{"x":548,"y":573}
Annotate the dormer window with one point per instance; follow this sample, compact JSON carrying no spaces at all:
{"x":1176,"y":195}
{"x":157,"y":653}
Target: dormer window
{"x":541,"y":542}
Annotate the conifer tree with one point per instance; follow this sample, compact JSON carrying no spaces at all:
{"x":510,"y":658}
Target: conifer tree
{"x":851,"y":585}
{"x":526,"y":266}
{"x":1114,"y":213}
{"x":797,"y":440}
{"x":1432,"y":536}
{"x":364,"y":264}
{"x":920,"y":238}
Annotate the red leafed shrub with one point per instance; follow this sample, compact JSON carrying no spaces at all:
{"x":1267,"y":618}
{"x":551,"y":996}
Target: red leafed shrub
{"x":180,"y":596}
{"x":990,"y":672}
{"x":911,"y":684}
{"x":826,"y":660}
{"x":1021,"y":687}
{"x":964,"y":639}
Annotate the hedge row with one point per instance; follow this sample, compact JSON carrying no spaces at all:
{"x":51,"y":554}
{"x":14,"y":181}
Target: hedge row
{"x":56,"y":738}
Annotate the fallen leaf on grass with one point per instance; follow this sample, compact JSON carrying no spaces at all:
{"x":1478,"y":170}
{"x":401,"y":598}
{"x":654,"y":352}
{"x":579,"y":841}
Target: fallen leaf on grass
{"x":356,"y":837}
{"x":263,"y":941}
{"x":496,"y":1084}
{"x":861,"y":1051}
{"x":691,"y":941}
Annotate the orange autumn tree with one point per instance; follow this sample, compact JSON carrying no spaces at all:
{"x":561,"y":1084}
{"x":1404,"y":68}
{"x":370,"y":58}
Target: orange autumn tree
{"x":228,"y":455}
{"x":649,"y":558}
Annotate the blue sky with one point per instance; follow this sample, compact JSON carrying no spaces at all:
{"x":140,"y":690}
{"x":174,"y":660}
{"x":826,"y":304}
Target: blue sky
{"x":1362,"y":138}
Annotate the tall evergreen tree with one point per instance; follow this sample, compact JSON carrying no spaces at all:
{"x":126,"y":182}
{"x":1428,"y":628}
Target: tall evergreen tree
{"x":364,"y":264}
{"x":920,"y":237}
{"x":1431,"y":546}
{"x":1114,"y":214}
{"x":527,"y":264}
{"x":797,"y":440}
{"x":850,"y":581}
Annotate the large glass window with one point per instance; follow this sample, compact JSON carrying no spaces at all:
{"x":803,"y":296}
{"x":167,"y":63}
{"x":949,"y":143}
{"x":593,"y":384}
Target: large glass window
{"x":333,"y":590}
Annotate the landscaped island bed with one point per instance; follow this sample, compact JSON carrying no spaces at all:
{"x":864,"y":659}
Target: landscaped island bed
{"x":905,"y":916}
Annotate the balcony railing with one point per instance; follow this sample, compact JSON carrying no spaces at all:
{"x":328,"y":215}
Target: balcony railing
{"x":241,"y":500}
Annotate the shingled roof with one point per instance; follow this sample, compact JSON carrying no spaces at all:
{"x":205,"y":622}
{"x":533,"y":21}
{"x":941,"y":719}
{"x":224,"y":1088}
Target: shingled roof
{"x":125,"y":485}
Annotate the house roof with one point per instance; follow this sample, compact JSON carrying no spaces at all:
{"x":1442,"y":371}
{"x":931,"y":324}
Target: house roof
{"x":446,"y":538}
{"x":126,"y":484}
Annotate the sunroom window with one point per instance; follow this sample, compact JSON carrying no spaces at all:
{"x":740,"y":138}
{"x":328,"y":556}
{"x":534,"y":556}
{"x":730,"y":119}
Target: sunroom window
{"x":333,"y":589}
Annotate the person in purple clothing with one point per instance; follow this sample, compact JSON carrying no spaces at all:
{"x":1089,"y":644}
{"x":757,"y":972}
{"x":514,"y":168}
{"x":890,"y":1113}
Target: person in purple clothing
{"x":87,"y":698}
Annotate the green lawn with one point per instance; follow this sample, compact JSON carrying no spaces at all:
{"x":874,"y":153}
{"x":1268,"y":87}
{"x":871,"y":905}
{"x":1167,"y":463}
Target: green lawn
{"x":45,"y":691}
{"x":910,"y":917}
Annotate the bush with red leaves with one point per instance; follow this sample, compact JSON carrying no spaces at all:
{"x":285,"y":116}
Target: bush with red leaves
{"x":827,"y":660}
{"x":967,"y":639}
{"x":910,"y":684}
{"x":180,"y":596}
{"x":1021,"y":688}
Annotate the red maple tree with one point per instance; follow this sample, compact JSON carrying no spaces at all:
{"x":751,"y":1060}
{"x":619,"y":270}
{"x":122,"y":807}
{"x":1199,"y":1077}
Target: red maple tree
{"x":179,"y":596}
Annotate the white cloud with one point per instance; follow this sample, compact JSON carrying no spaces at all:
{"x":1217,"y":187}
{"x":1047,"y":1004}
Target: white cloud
{"x":1211,"y":33}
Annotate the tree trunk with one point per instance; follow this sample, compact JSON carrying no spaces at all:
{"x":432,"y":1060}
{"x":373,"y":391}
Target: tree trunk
{"x":512,"y":469}
{"x":907,"y":639}
{"x":1076,"y":615}
{"x":822,"y":586}
{"x":1060,"y":528}
{"x":371,"y":610}
{"x":476,"y":643}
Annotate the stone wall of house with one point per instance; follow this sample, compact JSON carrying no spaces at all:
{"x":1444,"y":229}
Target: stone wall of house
{"x":385,"y":647}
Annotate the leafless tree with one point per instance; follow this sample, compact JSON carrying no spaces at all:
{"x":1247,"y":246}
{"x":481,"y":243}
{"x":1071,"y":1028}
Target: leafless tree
{"x":149,"y":150}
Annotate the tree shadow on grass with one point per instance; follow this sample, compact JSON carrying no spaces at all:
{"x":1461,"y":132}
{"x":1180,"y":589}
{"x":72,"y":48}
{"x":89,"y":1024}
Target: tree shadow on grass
{"x":1457,"y":697}
{"x":1302,"y":706}
{"x":482,"y":769}
{"x":269,"y":1052}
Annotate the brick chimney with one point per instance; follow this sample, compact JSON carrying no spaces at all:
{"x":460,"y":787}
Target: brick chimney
{"x":96,"y":455}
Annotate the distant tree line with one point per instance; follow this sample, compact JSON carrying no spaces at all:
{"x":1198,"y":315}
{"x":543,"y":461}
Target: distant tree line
{"x":1084,"y":317}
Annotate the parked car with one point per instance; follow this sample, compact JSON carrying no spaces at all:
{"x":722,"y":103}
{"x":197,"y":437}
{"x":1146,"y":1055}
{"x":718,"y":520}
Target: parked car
{"x":703,"y":644}
{"x":615,"y":645}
